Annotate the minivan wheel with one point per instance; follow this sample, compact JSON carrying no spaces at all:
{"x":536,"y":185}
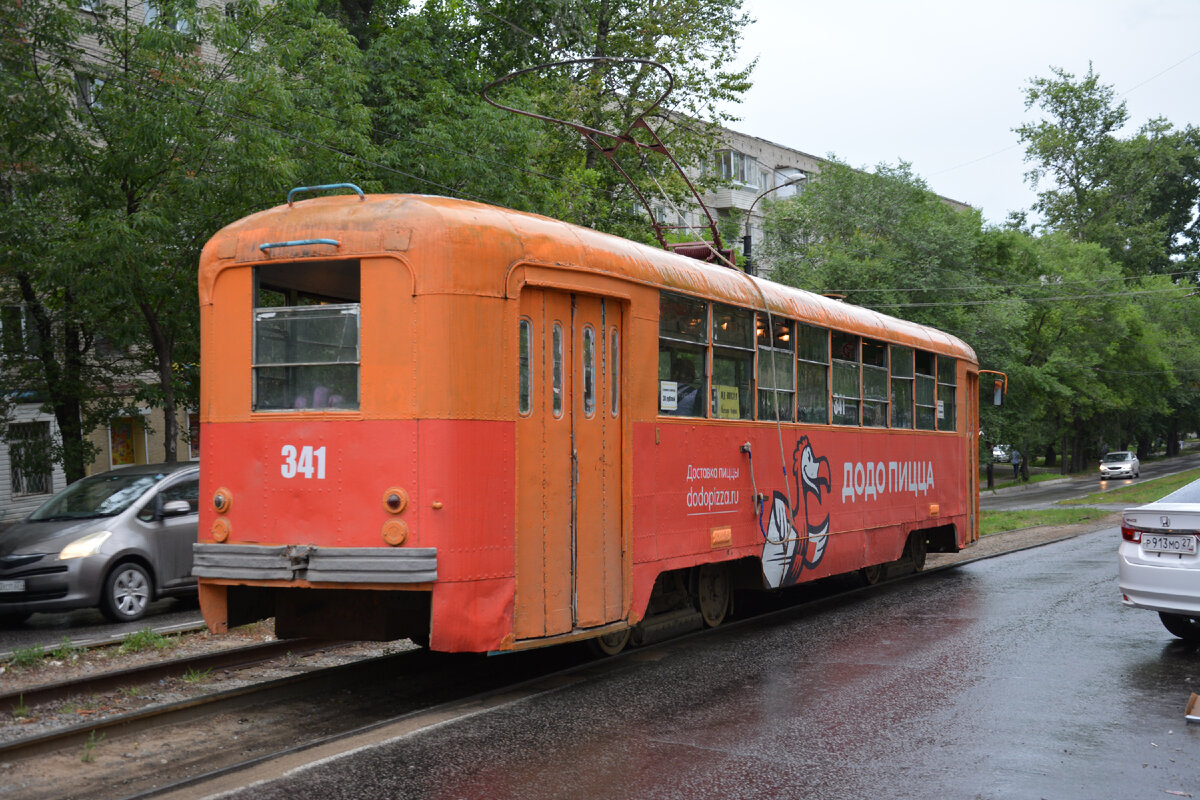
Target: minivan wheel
{"x":1183,"y":626}
{"x":126,"y":593}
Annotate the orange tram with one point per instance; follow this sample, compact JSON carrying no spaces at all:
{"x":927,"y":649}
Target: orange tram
{"x":488,"y":430}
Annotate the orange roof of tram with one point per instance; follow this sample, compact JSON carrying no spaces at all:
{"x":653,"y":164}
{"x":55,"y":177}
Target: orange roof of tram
{"x":454,"y":246}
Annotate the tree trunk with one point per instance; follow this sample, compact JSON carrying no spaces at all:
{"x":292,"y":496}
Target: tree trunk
{"x":62,"y":378}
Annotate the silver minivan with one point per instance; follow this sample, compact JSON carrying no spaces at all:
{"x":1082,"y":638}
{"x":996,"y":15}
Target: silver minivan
{"x":117,"y":540}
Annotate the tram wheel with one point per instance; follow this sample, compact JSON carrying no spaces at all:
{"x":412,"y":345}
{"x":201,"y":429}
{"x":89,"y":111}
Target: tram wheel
{"x":714,"y":590}
{"x":610,"y":643}
{"x":871,"y":575}
{"x":917,"y":551}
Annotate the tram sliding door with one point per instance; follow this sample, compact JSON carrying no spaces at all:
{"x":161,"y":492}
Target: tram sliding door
{"x":569,"y":558}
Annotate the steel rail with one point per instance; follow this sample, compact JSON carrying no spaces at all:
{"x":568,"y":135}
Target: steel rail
{"x":232,"y":658}
{"x":170,"y":712}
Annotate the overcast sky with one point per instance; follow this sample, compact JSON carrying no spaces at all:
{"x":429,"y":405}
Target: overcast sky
{"x":940,"y":83}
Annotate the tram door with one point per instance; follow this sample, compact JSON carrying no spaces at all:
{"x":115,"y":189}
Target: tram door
{"x":569,"y":551}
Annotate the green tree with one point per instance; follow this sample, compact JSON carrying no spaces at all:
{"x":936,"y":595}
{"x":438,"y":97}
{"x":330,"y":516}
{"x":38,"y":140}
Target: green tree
{"x":1136,"y":196}
{"x":885,"y":241}
{"x":184,"y":120}
{"x":430,"y":63}
{"x":55,"y":314}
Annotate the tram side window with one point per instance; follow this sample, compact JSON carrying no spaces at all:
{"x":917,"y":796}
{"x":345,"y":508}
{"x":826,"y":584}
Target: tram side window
{"x":306,"y":336}
{"x":733,"y":362}
{"x":615,"y":380}
{"x":947,"y":371}
{"x":524,"y":346}
{"x":776,"y":364}
{"x":846,"y":387}
{"x":902,"y":386}
{"x":812,"y":374}
{"x":875,"y":384}
{"x":682,"y":355}
{"x":589,"y":371}
{"x":925,"y":387}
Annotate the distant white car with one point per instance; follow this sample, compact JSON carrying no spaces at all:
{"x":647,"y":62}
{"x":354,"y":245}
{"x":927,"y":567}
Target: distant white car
{"x":1000,"y":452}
{"x":1159,"y":560}
{"x":1120,"y":464}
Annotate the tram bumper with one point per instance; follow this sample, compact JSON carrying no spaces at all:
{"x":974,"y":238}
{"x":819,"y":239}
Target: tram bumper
{"x":368,"y":593}
{"x":252,"y":562}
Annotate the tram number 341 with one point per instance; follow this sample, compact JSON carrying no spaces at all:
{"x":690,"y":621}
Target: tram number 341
{"x":308,"y":461}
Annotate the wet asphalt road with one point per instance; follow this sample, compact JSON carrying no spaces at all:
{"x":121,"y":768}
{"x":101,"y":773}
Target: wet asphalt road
{"x":1013,"y":677}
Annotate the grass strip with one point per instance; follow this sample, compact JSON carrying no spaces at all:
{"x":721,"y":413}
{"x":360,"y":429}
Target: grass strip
{"x":1138,"y":493}
{"x":1000,"y":521}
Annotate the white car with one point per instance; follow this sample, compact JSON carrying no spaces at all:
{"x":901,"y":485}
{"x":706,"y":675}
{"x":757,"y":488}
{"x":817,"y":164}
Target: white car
{"x":1159,"y":560}
{"x":1120,"y":464}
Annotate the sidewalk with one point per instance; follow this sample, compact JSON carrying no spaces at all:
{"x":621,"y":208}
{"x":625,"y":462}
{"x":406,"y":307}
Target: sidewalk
{"x":1010,"y":541}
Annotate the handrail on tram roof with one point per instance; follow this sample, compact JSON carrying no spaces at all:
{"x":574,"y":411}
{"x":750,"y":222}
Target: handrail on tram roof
{"x":362,"y":196}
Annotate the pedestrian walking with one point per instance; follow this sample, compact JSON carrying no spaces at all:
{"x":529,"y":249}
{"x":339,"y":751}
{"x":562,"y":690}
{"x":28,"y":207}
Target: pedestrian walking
{"x":1016,"y":462}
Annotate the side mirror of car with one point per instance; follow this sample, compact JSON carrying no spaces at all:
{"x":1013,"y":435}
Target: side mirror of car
{"x":175,"y":508}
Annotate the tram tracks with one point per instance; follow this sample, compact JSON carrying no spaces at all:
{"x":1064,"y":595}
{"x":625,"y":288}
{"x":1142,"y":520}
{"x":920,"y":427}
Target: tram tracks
{"x":239,"y":658}
{"x":143,"y":752}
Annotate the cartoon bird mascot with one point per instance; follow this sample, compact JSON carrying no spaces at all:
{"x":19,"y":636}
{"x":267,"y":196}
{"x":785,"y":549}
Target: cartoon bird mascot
{"x":788,"y":549}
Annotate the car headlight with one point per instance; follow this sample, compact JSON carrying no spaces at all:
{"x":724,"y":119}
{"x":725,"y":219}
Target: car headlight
{"x":87,"y":546}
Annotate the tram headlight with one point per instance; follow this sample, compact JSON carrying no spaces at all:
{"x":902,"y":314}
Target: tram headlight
{"x":222,"y":500}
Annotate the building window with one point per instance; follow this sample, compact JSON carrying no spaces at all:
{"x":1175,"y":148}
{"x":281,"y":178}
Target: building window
{"x":18,"y":334}
{"x":179,"y":23}
{"x":738,"y":168}
{"x":88,"y":89}
{"x":29,"y":458}
{"x":193,"y":435}
{"x":120,"y":442}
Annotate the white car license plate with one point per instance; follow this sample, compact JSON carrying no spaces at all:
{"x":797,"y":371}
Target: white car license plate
{"x":12,"y":586}
{"x":1162,"y":543}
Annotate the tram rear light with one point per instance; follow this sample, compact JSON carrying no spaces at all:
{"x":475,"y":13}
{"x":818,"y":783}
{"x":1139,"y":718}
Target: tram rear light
{"x":395,"y":500}
{"x":1130,"y":534}
{"x":395,"y":532}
